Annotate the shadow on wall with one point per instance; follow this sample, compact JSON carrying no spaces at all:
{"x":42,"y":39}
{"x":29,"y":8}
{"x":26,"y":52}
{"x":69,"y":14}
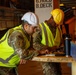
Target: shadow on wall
{"x":2,"y":32}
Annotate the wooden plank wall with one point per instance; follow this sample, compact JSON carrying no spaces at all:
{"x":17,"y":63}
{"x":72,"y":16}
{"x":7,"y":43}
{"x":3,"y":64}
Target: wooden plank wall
{"x":10,"y":17}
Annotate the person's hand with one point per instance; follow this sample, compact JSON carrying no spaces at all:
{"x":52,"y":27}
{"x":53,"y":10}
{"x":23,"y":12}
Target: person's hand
{"x":23,"y":61}
{"x":52,"y":49}
{"x":44,"y":51}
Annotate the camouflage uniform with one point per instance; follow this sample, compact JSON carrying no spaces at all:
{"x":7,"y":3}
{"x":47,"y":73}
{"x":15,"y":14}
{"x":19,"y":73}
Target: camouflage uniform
{"x":7,"y":71}
{"x":48,"y":68}
{"x":16,"y":40}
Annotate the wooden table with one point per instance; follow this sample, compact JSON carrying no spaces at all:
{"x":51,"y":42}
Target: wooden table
{"x":63,"y":59}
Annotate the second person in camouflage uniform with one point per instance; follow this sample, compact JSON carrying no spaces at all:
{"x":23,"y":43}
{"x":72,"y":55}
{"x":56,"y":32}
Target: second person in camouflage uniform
{"x":47,"y":38}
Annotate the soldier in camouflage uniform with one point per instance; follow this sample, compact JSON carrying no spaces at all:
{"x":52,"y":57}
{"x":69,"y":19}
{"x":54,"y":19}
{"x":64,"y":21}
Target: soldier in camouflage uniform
{"x":47,"y":39}
{"x":15,"y":44}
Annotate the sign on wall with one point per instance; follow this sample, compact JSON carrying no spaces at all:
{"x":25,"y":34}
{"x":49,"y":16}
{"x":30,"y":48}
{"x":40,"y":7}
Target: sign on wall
{"x":43,"y":8}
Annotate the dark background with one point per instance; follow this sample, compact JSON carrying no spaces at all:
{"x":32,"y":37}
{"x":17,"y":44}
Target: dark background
{"x":29,"y":4}
{"x":19,"y":4}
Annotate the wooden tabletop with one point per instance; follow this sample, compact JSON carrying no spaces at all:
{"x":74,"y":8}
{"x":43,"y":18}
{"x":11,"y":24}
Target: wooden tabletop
{"x":53,"y":59}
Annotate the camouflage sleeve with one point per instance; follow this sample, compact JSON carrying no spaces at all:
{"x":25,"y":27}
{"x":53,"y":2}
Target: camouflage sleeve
{"x":37,"y":41}
{"x":16,"y":40}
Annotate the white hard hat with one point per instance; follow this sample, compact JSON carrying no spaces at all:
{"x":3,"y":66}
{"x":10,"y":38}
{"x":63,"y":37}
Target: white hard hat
{"x":31,"y":18}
